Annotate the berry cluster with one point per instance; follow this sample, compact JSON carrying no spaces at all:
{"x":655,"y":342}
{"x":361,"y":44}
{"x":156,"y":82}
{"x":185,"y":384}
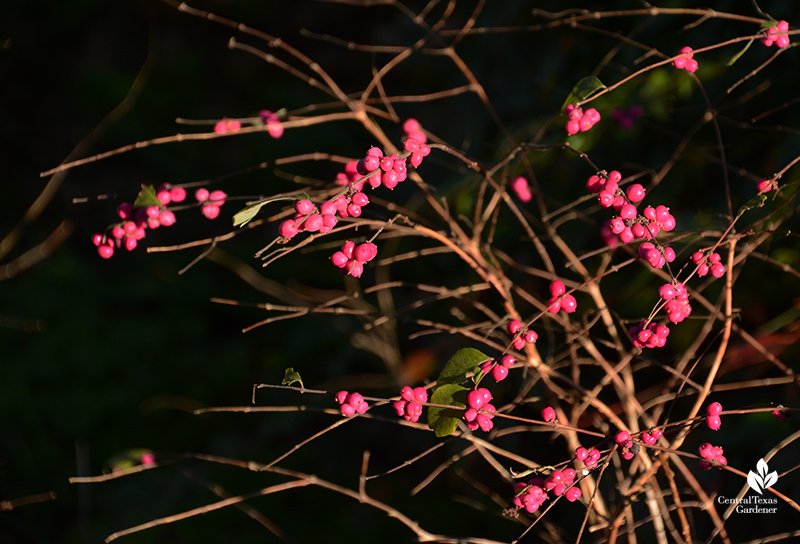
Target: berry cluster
{"x":274,"y":126}
{"x":413,"y":130}
{"x":560,"y":299}
{"x":308,"y":218}
{"x":351,"y":403}
{"x":713,"y":420}
{"x":685,"y":61}
{"x":629,"y":448}
{"x":210,"y":201}
{"x":227,"y":125}
{"x":480,"y":412}
{"x":589,"y":457}
{"x":649,"y":336}
{"x":677,"y":298}
{"x":136,"y":219}
{"x":351,"y":258}
{"x":498,"y":368}
{"x":580,"y":121}
{"x":520,"y":187}
{"x":410,"y":405}
{"x":531,"y":495}
{"x":776,"y":35}
{"x":702,"y":261}
{"x":711,"y":453}
{"x":521,"y":337}
{"x":651,"y":437}
{"x":150,"y":211}
{"x":626,"y":118}
{"x":657,"y":257}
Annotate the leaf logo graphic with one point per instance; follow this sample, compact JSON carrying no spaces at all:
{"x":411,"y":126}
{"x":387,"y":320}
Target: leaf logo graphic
{"x":763,"y":479}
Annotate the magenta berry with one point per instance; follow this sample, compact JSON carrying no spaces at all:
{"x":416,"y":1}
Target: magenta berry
{"x":549,"y":414}
{"x":622,"y":437}
{"x":514,"y":326}
{"x":557,"y":288}
{"x":573,"y":494}
{"x":714,"y":409}
{"x":304,"y":206}
{"x":713,"y":422}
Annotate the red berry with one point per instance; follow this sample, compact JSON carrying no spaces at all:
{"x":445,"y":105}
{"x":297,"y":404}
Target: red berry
{"x":549,"y":414}
{"x":514,"y":326}
{"x":713,"y":422}
{"x":714,"y":409}
{"x":557,"y":288}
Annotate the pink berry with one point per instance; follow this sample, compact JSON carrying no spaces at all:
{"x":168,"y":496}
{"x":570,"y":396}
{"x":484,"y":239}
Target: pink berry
{"x":105,"y":251}
{"x":354,"y":268}
{"x":365,"y":252}
{"x":313,"y":223}
{"x":553,"y":306}
{"x":549,"y":414}
{"x":166,"y":218}
{"x":514,"y":326}
{"x":475,"y":399}
{"x":211,"y":212}
{"x":339,"y":259}
{"x":530,"y":337}
{"x":605,"y":199}
{"x":288,"y":229}
{"x":622,"y":437}
{"x":713,"y":422}
{"x":177,"y":194}
{"x":581,"y":454}
{"x":595,"y":184}
{"x":573,"y":127}
{"x":718,"y":270}
{"x":499,"y":373}
{"x":348,"y":248}
{"x":557,"y":288}
{"x":714,"y":409}
{"x":304,"y":206}
{"x":519,"y":341}
{"x":569,"y":304}
{"x":573,"y":494}
{"x":635,"y":192}
{"x":201,"y":194}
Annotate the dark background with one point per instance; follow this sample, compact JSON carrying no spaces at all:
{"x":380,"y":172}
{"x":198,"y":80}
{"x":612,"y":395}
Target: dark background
{"x":97,"y":357}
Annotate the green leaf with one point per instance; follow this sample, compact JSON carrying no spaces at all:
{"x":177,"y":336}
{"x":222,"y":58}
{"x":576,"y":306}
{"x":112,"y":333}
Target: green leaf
{"x":146,"y":198}
{"x":243,"y":216}
{"x":740,"y":53}
{"x":456,"y":369}
{"x":443,"y":421}
{"x":291,"y":377}
{"x":755,"y":202}
{"x":585,"y":88}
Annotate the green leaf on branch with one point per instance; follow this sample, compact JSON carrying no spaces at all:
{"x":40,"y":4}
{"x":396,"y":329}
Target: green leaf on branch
{"x":740,"y":53}
{"x":146,"y":198}
{"x":585,"y":88}
{"x":463,"y":362}
{"x":755,"y":202}
{"x":245,"y":215}
{"x":291,"y":377}
{"x":443,"y":421}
